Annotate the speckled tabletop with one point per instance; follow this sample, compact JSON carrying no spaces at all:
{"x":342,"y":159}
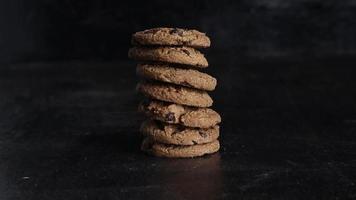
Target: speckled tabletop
{"x":69,"y":130}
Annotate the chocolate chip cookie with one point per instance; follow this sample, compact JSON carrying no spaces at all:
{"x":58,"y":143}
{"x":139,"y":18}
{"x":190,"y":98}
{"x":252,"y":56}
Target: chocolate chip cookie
{"x":176,"y":94}
{"x":178,"y":114}
{"x":171,"y":37}
{"x":179,"y":55}
{"x":175,"y":151}
{"x":171,"y":74}
{"x":179,"y":135}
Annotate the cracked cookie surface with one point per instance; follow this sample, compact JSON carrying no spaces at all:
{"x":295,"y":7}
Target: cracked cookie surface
{"x":178,"y":55}
{"x":178,"y":114}
{"x":176,"y":151}
{"x":179,"y":135}
{"x":171,"y":37}
{"x":175,"y":94}
{"x":171,"y":74}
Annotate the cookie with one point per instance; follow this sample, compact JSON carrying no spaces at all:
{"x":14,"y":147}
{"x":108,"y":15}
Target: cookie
{"x":170,"y":74}
{"x":179,"y":114}
{"x":175,"y":94}
{"x":171,"y":37}
{"x":175,"y":151}
{"x":178,"y":55}
{"x":179,"y":135}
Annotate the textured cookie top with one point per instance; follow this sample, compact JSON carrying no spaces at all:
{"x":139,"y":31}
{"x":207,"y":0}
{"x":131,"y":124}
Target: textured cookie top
{"x":171,"y":37}
{"x":170,"y":74}
{"x":179,"y":114}
{"x":178,"y":55}
{"x":176,"y":94}
{"x":177,"y":134}
{"x":179,"y":151}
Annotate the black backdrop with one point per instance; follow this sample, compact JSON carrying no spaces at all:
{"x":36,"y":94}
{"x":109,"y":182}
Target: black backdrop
{"x":69,"y":127}
{"x":81,"y":29}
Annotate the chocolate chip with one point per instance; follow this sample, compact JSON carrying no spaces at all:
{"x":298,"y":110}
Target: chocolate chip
{"x":170,"y":117}
{"x":179,"y":130}
{"x":185,"y":43}
{"x":173,"y":31}
{"x":203,"y":134}
{"x":186,"y":52}
{"x":176,"y":31}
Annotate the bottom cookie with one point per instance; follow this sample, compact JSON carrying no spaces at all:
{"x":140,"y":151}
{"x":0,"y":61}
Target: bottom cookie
{"x":175,"y":151}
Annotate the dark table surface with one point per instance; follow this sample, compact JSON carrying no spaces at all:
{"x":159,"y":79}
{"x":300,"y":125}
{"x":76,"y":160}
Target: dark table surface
{"x":69,"y":130}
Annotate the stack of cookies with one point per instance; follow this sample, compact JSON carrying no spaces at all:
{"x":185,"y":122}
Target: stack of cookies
{"x":180,"y":122}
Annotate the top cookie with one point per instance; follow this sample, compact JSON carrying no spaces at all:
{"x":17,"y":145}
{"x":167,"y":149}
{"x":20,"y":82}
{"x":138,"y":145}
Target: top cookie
{"x":171,"y":37}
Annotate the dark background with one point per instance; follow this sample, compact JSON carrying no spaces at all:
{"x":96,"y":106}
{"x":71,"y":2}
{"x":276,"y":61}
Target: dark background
{"x":286,"y":94}
{"x":57,"y":30}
